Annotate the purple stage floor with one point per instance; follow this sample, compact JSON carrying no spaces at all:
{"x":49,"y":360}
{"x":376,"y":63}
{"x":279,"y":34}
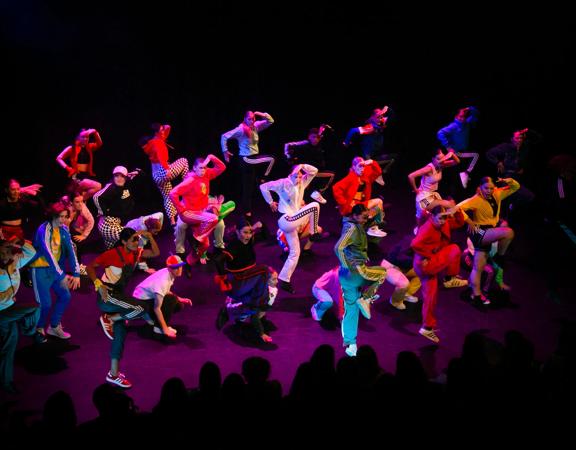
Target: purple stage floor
{"x":540,"y":300}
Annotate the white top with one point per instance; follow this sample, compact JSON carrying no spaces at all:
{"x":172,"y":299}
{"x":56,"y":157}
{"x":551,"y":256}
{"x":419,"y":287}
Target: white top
{"x":159,"y":282}
{"x":430,"y":181}
{"x":247,"y":145}
{"x":291,"y":195}
{"x":139,"y":225}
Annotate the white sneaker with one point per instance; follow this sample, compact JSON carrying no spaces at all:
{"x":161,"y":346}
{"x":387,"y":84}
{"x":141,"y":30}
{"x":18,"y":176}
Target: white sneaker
{"x":364,"y":306}
{"x":455,"y":282}
{"x":464,"y":178}
{"x":318,"y":197}
{"x":374,"y":231}
{"x":429,"y":334}
{"x":351,"y":350}
{"x":58,"y":332}
{"x":411,"y":299}
{"x":158,"y":330}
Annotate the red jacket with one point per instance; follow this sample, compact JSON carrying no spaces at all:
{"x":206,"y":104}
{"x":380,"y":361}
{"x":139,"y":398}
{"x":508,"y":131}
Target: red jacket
{"x":157,"y":151}
{"x":430,"y":239}
{"x":345,"y":189}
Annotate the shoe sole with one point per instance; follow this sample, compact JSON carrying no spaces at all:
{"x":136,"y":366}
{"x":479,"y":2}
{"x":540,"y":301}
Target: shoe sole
{"x":57,"y":336}
{"x":123,"y":386}
{"x":108,"y":335}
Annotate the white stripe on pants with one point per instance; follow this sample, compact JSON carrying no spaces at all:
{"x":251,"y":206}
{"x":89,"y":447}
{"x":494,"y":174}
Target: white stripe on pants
{"x":289,"y":225}
{"x":203,"y":222}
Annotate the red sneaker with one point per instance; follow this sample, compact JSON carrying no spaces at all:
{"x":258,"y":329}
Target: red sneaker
{"x":118,"y":380}
{"x":107,"y":326}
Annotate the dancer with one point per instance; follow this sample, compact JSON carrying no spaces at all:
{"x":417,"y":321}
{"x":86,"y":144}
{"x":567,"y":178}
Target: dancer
{"x":164,"y":172}
{"x":117,"y":307}
{"x":371,"y":137}
{"x":158,"y":299}
{"x":13,"y":317}
{"x":247,"y":136}
{"x":115,"y":205}
{"x":290,"y":191}
{"x":482,"y":214}
{"x":80,"y":223}
{"x":78,"y":161}
{"x":53,"y":246}
{"x":152,"y":223}
{"x":455,"y":137}
{"x":310,"y":152}
{"x":430,"y":174}
{"x":17,"y":205}
{"x":354,"y":273}
{"x":356,"y":188}
{"x":194,"y":209}
{"x":434,"y":253}
{"x":327,"y":291}
{"x":248,"y":285}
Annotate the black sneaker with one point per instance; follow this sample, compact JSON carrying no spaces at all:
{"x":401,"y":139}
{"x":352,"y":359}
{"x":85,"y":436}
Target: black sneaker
{"x":286,"y":286}
{"x":315,"y":237}
{"x":222,"y":318}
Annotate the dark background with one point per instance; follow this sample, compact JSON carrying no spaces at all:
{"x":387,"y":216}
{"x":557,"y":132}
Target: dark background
{"x":118,"y":67}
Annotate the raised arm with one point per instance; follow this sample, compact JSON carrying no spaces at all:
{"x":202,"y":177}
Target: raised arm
{"x":265,"y":123}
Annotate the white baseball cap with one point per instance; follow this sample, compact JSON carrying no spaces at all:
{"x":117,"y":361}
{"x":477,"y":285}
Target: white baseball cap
{"x":121,"y":170}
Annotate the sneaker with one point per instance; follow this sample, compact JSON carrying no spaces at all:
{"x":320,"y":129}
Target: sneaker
{"x":158,"y":330}
{"x":318,"y":197}
{"x":118,"y":380}
{"x":266,"y":338}
{"x":40,"y":336}
{"x":314,"y":312}
{"x":481,"y":299}
{"x":316,"y":237}
{"x":364,"y":306}
{"x":429,"y":334}
{"x":411,"y":299}
{"x":82,"y":270}
{"x":107,"y":326}
{"x":464,"y":178}
{"x":455,"y":282}
{"x":58,"y":332}
{"x":222,"y":318}
{"x":351,"y":350}
{"x":374,"y":231}
{"x":286,"y":286}
{"x":399,"y":306}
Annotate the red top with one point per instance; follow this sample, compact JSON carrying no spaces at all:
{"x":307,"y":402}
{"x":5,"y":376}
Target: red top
{"x":157,"y":151}
{"x":431,"y":239}
{"x":194,"y":190}
{"x":345,"y":190}
{"x":112,"y":258}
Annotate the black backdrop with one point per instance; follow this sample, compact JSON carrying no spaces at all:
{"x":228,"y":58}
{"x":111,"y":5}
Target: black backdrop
{"x":118,"y":67}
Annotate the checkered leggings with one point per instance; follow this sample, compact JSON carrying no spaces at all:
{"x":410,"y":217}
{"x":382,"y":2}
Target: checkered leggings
{"x":163,"y":180}
{"x":109,"y":228}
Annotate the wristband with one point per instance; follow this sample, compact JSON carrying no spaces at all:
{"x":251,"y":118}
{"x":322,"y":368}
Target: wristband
{"x":97,"y":284}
